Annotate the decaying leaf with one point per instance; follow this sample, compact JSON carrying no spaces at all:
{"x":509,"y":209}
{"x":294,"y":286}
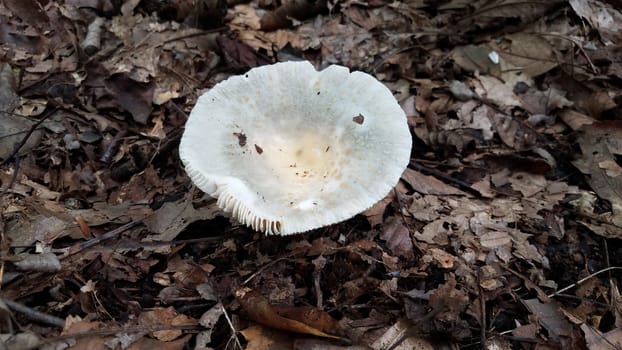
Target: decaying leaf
{"x":307,"y":320}
{"x":46,"y":262}
{"x":550,"y":317}
{"x":168,"y":221}
{"x":601,"y":145}
{"x":375,"y":214}
{"x":513,"y":133}
{"x":260,"y":338}
{"x":426,"y":184}
{"x":165,"y":316}
{"x":397,"y":237}
{"x":397,"y":338}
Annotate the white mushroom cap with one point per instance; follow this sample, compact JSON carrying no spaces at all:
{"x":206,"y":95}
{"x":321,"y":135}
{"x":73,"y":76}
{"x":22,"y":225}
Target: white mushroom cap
{"x":288,"y":149}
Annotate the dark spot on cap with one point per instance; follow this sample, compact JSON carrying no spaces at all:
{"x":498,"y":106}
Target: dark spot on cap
{"x":327,"y":148}
{"x":258,"y":149}
{"x":359,"y":119}
{"x":241,"y":138}
{"x":318,"y":92}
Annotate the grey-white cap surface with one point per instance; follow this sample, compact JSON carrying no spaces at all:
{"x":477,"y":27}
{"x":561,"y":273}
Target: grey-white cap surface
{"x":286,"y":148}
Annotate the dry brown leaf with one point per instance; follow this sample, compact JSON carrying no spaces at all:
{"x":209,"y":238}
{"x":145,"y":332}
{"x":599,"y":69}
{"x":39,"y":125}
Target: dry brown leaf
{"x":601,"y":144}
{"x":289,"y":11}
{"x":495,"y":239}
{"x":426,"y":207}
{"x":320,"y":344}
{"x":574,"y":119}
{"x":605,"y":18}
{"x":474,"y":115}
{"x":493,"y":12}
{"x":261,"y":338}
{"x":550,"y":317}
{"x":426,"y":184}
{"x":474,"y":58}
{"x":30,"y":11}
{"x":239,"y":54}
{"x":397,"y":237}
{"x":163,"y":317}
{"x":168,"y":221}
{"x":261,"y":311}
{"x":148,"y":343}
{"x":513,"y":133}
{"x":92,"y":342}
{"x":132,"y":96}
{"x":539,"y":103}
{"x":375,"y":214}
{"x":436,"y":232}
{"x":11,"y":129}
{"x":527,"y":53}
{"x":496,"y":91}
{"x":450,"y":298}
{"x":527,"y":184}
{"x":397,"y":338}
{"x":44,"y":262}
{"x":442,"y":258}
{"x":20,"y":341}
{"x":310,"y":316}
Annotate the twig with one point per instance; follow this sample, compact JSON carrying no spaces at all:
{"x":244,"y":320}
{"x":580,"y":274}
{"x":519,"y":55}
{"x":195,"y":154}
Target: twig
{"x":19,"y":146}
{"x":110,"y":234}
{"x":263,"y":268}
{"x":34,"y":314}
{"x":15,"y":154}
{"x":234,"y":332}
{"x":584,"y":279}
{"x":482,"y":313}
{"x":192,"y":35}
{"x":112,"y":331}
{"x":575,"y":43}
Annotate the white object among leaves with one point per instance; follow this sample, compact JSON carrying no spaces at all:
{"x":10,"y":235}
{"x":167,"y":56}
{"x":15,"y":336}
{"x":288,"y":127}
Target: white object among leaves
{"x":288,"y":149}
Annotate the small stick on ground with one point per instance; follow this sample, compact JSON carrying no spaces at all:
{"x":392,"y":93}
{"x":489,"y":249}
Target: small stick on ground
{"x":34,"y":314}
{"x":234,"y":335}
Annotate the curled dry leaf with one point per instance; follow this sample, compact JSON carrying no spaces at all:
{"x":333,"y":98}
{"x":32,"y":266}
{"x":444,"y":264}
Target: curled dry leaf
{"x":304,"y":320}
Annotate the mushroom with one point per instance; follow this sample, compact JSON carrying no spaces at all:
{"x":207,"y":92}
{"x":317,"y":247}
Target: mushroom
{"x":287,"y":149}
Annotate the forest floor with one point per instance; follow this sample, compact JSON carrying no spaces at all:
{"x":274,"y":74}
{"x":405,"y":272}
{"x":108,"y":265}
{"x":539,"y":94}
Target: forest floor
{"x":503,"y":232}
